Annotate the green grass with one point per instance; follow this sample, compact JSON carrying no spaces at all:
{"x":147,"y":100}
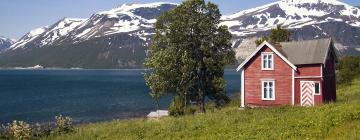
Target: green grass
{"x":340,"y":120}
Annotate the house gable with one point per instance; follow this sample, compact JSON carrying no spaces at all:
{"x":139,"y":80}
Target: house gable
{"x":272,"y":48}
{"x":254,"y":78}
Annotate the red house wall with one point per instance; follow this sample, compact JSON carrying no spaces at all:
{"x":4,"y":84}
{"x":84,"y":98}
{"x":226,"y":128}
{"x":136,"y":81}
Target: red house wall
{"x":308,"y":70}
{"x":318,"y":99}
{"x":329,"y":78}
{"x":308,"y":73}
{"x":282,"y":74}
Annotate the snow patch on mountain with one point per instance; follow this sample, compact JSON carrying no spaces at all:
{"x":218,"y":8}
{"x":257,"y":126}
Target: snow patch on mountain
{"x":123,"y":19}
{"x":49,"y":34}
{"x":292,"y":14}
{"x":129,"y":8}
{"x":32,"y":35}
{"x":5,"y":43}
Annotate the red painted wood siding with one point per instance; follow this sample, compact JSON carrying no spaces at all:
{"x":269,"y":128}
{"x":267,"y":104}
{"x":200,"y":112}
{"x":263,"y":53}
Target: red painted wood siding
{"x":282,"y":74}
{"x":308,"y":70}
{"x":329,"y":78}
{"x":318,"y":99}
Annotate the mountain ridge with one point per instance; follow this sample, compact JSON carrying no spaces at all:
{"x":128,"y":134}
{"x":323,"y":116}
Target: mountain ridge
{"x":122,"y":34}
{"x":5,"y":43}
{"x":122,"y":19}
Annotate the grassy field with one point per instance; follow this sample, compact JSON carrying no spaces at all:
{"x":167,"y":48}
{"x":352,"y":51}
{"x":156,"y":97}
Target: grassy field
{"x":340,"y":120}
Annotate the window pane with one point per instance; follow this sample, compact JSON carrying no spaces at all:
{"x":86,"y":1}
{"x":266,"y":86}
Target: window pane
{"x":265,"y":93}
{"x":270,"y":93}
{"x":270,"y":63}
{"x":265,"y":89}
{"x":317,"y":88}
{"x":264,"y":64}
{"x":270,"y":59}
{"x":264,"y":61}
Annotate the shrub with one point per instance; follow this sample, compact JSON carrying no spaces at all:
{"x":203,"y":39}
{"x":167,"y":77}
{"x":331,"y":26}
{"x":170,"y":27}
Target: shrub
{"x":19,"y":130}
{"x":190,"y":110}
{"x":177,"y":107}
{"x":42,"y":130}
{"x":347,"y":69}
{"x":63,"y":124}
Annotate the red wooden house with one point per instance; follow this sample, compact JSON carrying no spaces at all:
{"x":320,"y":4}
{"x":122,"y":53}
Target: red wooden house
{"x":289,"y":73}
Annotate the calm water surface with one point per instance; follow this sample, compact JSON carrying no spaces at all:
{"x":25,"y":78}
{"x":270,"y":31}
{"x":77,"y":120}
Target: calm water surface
{"x":85,"y":95}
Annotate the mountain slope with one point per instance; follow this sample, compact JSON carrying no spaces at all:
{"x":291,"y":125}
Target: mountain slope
{"x":118,"y":38}
{"x":5,"y":43}
{"x":306,"y":19}
{"x":132,"y":19}
{"x":47,"y":35}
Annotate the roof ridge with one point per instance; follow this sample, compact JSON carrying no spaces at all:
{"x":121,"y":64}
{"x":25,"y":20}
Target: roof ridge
{"x":329,"y":38}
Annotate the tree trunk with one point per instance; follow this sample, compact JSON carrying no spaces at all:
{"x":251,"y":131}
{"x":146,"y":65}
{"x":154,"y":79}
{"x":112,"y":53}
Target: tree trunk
{"x":202,"y":90}
{"x":202,"y":103}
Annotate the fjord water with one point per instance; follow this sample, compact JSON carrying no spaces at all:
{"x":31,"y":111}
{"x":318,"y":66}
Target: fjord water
{"x":85,"y":95}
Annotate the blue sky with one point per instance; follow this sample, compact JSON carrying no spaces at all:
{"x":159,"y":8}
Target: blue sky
{"x":20,"y":16}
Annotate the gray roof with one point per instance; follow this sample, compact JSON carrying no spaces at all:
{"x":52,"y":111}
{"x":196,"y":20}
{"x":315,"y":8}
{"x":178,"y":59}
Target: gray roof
{"x":305,"y":52}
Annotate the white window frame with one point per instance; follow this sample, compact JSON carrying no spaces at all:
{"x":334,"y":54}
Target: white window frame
{"x":262,"y":90}
{"x":319,"y":88}
{"x":272,"y":60}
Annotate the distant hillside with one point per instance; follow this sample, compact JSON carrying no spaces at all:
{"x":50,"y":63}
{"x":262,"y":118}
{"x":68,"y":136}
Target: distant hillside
{"x":95,"y":53}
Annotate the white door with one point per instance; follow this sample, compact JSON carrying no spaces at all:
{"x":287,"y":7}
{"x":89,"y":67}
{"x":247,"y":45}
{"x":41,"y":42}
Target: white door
{"x":307,"y":93}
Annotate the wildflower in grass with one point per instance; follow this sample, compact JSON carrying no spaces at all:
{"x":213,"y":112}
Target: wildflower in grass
{"x":20,"y":130}
{"x":63,"y":124}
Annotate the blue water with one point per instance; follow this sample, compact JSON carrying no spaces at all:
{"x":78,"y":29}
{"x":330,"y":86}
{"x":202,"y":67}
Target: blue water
{"x":85,"y":95}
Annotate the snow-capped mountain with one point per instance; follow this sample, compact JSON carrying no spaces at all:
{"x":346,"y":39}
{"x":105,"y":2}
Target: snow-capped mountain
{"x":292,"y":14}
{"x":132,"y":19}
{"x":306,"y":19}
{"x":5,"y":43}
{"x":48,"y":35}
{"x":119,"y":37}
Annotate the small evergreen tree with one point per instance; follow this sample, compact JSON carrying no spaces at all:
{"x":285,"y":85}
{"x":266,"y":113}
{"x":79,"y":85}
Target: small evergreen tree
{"x":188,"y":55}
{"x":277,"y":35}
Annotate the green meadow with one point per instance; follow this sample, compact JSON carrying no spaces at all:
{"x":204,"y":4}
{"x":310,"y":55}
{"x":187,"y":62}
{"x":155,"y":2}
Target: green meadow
{"x":340,"y":120}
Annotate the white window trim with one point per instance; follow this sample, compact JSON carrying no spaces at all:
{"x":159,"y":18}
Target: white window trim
{"x":262,"y":90}
{"x":262,"y":60}
{"x":242,"y":88}
{"x":319,"y":88}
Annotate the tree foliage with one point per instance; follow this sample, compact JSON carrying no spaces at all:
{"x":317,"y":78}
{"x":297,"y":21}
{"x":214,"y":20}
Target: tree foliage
{"x":189,"y":53}
{"x":277,"y":35}
{"x":348,"y":68}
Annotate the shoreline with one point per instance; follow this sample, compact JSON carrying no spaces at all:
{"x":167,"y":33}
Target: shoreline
{"x":51,"y":124}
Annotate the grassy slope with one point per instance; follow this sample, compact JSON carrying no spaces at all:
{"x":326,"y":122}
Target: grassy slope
{"x":339,"y":120}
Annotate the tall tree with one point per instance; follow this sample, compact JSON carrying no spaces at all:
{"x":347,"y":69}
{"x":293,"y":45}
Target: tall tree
{"x":189,"y":53}
{"x":277,"y":35}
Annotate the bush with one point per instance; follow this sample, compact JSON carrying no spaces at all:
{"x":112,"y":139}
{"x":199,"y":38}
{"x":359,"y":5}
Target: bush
{"x":19,"y":130}
{"x":63,"y":124}
{"x":177,"y":107}
{"x":347,"y":69}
